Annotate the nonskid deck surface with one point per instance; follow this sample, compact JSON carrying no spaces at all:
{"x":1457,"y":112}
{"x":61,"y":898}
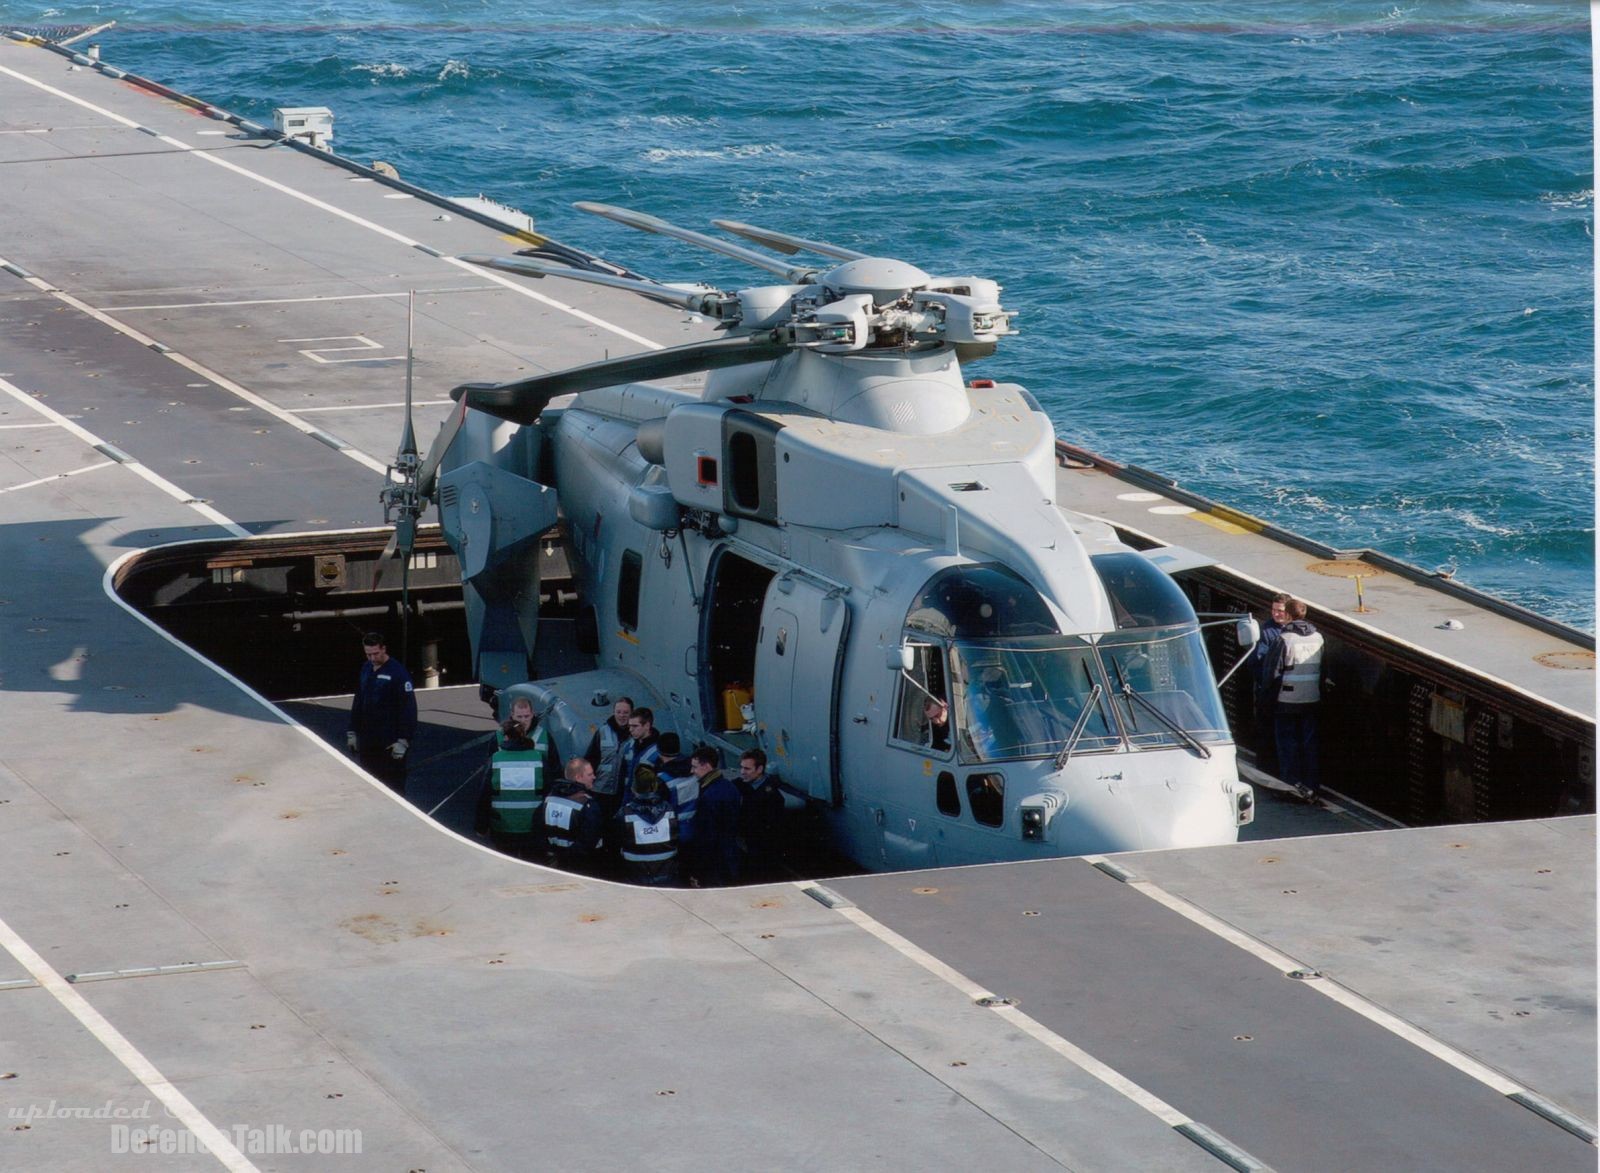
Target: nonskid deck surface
{"x":463,"y":1010}
{"x":1296,"y":1078}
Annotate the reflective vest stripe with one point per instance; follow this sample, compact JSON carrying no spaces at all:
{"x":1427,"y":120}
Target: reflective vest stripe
{"x":640,"y":857}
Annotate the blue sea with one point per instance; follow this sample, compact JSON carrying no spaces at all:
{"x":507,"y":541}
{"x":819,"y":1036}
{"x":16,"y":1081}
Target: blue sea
{"x":1332,"y":264}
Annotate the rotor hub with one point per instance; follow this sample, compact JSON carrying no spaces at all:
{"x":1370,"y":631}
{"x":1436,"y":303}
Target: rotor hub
{"x":882,"y":277}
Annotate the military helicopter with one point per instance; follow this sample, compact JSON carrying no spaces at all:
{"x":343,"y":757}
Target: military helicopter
{"x":844,"y":553}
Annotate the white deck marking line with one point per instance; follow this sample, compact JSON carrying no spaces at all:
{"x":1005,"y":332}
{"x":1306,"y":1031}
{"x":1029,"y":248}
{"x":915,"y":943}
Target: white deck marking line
{"x":205,"y":305}
{"x":484,"y":274}
{"x":1112,"y":1078}
{"x":134,"y":466}
{"x":21,"y":427}
{"x":1343,"y":995}
{"x":204,"y":372}
{"x":113,"y":1040}
{"x":373,"y":406}
{"x":58,"y":476}
{"x":1191,"y":1130}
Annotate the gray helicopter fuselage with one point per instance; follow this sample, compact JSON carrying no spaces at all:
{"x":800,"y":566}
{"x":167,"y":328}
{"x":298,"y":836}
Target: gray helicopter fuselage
{"x":842,"y":561}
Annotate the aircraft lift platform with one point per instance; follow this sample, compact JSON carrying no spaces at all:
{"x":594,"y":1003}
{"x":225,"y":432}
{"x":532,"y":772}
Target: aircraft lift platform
{"x":212,"y":922}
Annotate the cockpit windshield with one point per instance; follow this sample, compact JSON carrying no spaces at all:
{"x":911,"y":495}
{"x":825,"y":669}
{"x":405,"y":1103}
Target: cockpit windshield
{"x":1021,"y":698}
{"x":1166,"y":668}
{"x":1018,"y":688}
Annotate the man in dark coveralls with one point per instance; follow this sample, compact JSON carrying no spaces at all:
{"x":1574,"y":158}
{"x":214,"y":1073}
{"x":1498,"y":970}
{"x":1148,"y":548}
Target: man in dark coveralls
{"x":383,"y":715}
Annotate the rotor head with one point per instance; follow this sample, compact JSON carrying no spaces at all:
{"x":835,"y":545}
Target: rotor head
{"x":884,"y":278}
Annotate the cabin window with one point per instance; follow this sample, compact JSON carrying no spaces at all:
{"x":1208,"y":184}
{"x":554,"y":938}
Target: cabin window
{"x":922,"y":716}
{"x":949,"y":800}
{"x":746,"y":483}
{"x":986,"y":796}
{"x":750,"y":465}
{"x":628,"y":589}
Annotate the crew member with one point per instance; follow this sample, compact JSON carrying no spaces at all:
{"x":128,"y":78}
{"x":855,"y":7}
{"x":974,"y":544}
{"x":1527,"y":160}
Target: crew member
{"x":646,"y":830}
{"x":605,"y":748}
{"x":716,"y":833}
{"x":511,"y":804}
{"x":760,"y":813}
{"x":573,"y":818}
{"x":992,"y":729}
{"x":1264,"y":666}
{"x":642,"y":748}
{"x":680,"y":785}
{"x":383,"y":715}
{"x":936,"y":723}
{"x":1299,"y":663}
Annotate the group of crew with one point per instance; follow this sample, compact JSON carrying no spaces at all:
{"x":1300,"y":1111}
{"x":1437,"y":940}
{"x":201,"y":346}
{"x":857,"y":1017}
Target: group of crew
{"x":632,"y":801}
{"x":1288,"y":679}
{"x":635,"y":803}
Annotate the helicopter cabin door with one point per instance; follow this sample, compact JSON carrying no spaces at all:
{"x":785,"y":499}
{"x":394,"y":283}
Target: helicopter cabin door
{"x":799,"y":655}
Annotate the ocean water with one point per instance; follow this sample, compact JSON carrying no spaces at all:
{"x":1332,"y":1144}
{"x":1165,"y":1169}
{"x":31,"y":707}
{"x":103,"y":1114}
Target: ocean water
{"x":1332,"y":264}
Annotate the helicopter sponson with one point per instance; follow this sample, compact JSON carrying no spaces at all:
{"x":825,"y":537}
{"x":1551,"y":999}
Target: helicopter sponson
{"x":844,"y":535}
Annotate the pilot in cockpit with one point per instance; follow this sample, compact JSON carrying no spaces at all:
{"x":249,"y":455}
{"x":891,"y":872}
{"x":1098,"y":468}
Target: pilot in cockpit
{"x":936,"y":724}
{"x":988,"y":718}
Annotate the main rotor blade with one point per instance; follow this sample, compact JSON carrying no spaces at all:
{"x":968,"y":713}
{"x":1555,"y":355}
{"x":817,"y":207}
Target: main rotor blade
{"x":382,"y":563}
{"x":522,"y":401}
{"x":785,"y":243}
{"x":648,"y":223}
{"x":528,"y":267}
{"x":428,"y":472}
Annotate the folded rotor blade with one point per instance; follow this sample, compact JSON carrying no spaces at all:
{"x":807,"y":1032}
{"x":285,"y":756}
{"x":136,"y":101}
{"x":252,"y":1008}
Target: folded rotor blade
{"x":528,"y":267}
{"x":383,"y":559}
{"x":522,"y":401}
{"x":428,"y":471}
{"x":787,"y":244}
{"x":648,"y":223}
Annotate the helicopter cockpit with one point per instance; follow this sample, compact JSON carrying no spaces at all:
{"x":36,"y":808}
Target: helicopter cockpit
{"x":990,"y":664}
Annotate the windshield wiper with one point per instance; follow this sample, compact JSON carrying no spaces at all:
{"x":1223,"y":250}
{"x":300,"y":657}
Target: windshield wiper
{"x":1189,"y":739}
{"x":1079,"y":726}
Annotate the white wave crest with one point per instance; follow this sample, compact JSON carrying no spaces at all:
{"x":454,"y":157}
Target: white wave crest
{"x":1571,"y":199}
{"x":740,"y":151}
{"x":388,"y":69}
{"x":1472,"y":521}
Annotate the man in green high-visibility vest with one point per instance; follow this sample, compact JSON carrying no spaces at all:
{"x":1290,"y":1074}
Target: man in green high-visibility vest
{"x":519,"y":772}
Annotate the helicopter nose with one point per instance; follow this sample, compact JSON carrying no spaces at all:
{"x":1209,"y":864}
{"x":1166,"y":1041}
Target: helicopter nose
{"x":1146,"y":816}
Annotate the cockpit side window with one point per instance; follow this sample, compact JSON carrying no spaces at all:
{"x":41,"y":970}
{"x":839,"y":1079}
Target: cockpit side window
{"x":922,"y":714}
